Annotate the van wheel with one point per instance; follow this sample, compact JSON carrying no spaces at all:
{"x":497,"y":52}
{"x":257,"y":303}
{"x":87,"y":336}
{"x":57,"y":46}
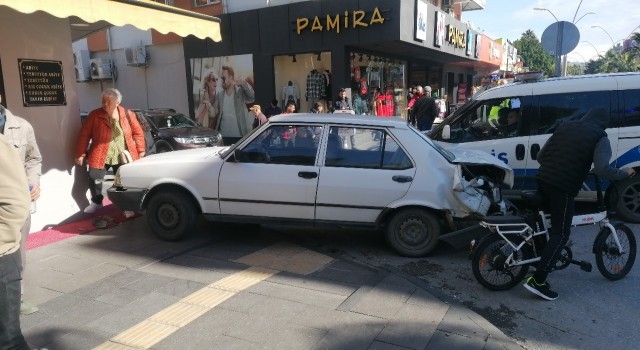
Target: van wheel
{"x":628,"y":199}
{"x":171,"y":215}
{"x":413,"y":232}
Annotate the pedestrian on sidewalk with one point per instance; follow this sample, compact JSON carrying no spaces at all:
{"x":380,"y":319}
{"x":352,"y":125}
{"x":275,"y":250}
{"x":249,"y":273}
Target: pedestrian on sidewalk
{"x":107,"y":133}
{"x":20,"y":134}
{"x":14,"y":210}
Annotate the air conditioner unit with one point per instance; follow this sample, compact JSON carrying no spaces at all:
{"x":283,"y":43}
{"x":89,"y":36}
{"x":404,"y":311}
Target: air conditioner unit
{"x":136,"y":56}
{"x":100,"y":68}
{"x":81,"y":63}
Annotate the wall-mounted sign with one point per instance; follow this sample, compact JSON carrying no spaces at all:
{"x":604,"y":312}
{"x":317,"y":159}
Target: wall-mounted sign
{"x":456,"y":37}
{"x":469,"y":43}
{"x":357,"y":18}
{"x":440,"y":29}
{"x":42,"y":83}
{"x":421,"y":20}
{"x":476,"y":52}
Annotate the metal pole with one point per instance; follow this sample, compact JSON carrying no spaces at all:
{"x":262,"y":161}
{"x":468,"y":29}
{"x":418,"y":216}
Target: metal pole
{"x":559,"y":49}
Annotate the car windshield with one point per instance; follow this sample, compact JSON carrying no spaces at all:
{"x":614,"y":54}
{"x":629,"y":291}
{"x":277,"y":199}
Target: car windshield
{"x":445,"y":153}
{"x":175,"y":120}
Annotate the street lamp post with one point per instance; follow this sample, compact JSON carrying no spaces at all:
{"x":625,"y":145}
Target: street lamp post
{"x":594,"y":47}
{"x":605,"y":31}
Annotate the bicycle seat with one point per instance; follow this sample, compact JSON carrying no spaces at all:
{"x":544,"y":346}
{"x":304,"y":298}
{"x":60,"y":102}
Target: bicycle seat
{"x":504,"y":219}
{"x":532,"y":198}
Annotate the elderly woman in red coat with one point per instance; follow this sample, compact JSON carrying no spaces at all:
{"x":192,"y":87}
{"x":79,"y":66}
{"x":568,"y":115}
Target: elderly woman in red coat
{"x":105,"y":134}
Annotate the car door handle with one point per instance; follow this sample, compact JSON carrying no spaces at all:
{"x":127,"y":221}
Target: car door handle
{"x":402,"y":178}
{"x":308,"y":174}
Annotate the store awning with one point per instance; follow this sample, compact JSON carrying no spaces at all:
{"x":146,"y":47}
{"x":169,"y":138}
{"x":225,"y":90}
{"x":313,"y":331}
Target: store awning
{"x":88,"y":16}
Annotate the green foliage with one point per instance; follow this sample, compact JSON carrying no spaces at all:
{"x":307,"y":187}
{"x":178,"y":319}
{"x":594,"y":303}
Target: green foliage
{"x":533,"y":55}
{"x":614,"y":61}
{"x":574,"y":69}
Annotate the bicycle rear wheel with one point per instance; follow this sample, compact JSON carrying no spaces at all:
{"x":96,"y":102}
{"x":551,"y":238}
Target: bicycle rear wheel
{"x":613,"y":263}
{"x":489,"y":263}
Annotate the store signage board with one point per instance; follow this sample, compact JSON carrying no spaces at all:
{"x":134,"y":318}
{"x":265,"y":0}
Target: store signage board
{"x":42,"y":83}
{"x":353,"y":19}
{"x":421,"y":20}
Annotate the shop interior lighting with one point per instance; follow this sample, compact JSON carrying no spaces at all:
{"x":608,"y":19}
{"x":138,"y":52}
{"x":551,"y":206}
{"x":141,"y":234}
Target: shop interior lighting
{"x":319,"y":58}
{"x":294,"y":59}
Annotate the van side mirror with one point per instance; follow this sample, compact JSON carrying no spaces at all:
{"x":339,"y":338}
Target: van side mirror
{"x":446,"y":132}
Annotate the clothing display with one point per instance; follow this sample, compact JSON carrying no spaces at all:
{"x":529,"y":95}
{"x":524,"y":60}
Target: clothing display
{"x":290,"y":93}
{"x":385,"y":106}
{"x":316,"y":85}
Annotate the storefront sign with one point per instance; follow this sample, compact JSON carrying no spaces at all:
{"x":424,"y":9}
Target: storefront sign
{"x":476,"y":52}
{"x":421,"y":20}
{"x":354,"y":19}
{"x":440,"y":29}
{"x":456,"y":37}
{"x":42,"y":83}
{"x":469,"y":42}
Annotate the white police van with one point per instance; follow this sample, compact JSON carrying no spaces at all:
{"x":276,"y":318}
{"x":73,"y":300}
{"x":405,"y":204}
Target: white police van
{"x":538,"y":106}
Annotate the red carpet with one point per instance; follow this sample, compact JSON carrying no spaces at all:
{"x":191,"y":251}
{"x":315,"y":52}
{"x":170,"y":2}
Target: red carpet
{"x":72,"y":229}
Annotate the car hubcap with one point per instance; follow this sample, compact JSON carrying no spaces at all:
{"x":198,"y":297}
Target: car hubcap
{"x":631,"y":198}
{"x":413,"y":232}
{"x":168,"y":215}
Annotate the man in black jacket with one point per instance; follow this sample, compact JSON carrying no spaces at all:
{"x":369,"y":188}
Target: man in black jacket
{"x":565,"y":161}
{"x":425,"y":110}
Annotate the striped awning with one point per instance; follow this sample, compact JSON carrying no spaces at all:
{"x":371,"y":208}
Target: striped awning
{"x":142,"y":14}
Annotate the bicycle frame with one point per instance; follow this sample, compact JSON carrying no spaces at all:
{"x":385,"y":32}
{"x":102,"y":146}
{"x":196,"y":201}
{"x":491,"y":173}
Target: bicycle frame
{"x":527,"y":232}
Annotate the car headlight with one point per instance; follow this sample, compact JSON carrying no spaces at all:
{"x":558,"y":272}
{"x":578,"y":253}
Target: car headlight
{"x":196,"y":140}
{"x":116,"y":179}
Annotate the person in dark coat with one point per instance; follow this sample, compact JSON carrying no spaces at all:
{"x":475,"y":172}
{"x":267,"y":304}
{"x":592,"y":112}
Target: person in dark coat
{"x":425,"y":111}
{"x":565,"y":161}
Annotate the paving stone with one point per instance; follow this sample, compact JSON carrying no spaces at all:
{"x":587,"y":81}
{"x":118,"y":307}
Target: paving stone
{"x":422,"y":298}
{"x":445,"y":340}
{"x":207,"y":330}
{"x":378,"y":345}
{"x":131,"y":314}
{"x":84,"y":312}
{"x":393,"y":290}
{"x":313,"y":283}
{"x":257,"y":328}
{"x":84,"y":278}
{"x":413,"y":325}
{"x":301,"y":295}
{"x":184,"y":272}
{"x":206,"y":263}
{"x":352,"y":336}
{"x":38,"y":295}
{"x":180,"y":288}
{"x":68,"y":264}
{"x":345,"y":272}
{"x":81,"y":338}
{"x":293,"y":336}
{"x":42,"y":273}
{"x":457,"y":321}
{"x":122,"y":296}
{"x":149,"y":283}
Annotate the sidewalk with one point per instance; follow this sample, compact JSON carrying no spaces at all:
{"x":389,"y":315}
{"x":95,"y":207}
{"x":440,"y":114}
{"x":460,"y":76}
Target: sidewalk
{"x":121,"y":288}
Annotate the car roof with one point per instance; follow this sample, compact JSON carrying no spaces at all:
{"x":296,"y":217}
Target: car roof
{"x":349,"y":119}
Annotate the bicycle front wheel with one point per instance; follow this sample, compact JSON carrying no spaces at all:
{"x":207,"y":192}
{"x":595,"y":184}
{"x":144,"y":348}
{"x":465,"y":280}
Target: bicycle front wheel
{"x":489,"y":263}
{"x":613,"y":263}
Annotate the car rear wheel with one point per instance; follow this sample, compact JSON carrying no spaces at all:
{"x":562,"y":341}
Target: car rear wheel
{"x":172,"y":215}
{"x":628,"y":199}
{"x":413,"y":232}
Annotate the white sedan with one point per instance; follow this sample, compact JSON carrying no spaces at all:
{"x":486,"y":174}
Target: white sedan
{"x":316,"y":170}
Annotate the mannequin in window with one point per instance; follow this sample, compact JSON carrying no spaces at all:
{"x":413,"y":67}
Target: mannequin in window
{"x":290,"y":93}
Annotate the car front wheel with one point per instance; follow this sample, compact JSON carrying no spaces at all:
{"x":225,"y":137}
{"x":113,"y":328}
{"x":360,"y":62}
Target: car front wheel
{"x":628,"y":199}
{"x":171,"y":215}
{"x":413,"y":232}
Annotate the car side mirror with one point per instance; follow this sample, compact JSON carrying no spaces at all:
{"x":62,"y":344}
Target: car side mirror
{"x":446,"y":132}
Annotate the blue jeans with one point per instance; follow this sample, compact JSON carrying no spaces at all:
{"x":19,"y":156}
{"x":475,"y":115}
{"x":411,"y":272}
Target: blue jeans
{"x":10,"y":334}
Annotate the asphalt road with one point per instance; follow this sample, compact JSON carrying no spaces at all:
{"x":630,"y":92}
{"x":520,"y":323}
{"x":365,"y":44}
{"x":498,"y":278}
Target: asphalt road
{"x":591,"y":312}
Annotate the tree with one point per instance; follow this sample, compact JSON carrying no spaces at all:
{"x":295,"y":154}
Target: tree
{"x":533,"y":55}
{"x":574,"y":69}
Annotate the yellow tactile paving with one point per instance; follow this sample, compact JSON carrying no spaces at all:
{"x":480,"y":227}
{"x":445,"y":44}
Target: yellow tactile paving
{"x":113,"y":346}
{"x":208,"y":297}
{"x":180,"y":314}
{"x":285,"y":256}
{"x":145,"y":334}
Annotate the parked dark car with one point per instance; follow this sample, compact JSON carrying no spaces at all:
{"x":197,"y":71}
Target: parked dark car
{"x":172,"y":131}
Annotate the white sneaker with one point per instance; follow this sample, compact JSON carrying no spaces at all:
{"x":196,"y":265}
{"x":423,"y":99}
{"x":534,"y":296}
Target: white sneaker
{"x":92,"y":208}
{"x":129,"y":214}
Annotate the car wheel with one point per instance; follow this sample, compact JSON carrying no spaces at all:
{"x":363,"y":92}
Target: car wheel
{"x":171,"y":215}
{"x":628,"y":199}
{"x":163,"y":149}
{"x":413,"y":232}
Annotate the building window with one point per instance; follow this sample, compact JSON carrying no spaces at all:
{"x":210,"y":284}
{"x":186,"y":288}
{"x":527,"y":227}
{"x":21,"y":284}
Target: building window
{"x":199,"y":3}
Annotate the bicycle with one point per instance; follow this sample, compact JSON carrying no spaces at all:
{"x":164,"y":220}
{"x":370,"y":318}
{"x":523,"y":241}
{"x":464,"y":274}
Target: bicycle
{"x":501,"y":259}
